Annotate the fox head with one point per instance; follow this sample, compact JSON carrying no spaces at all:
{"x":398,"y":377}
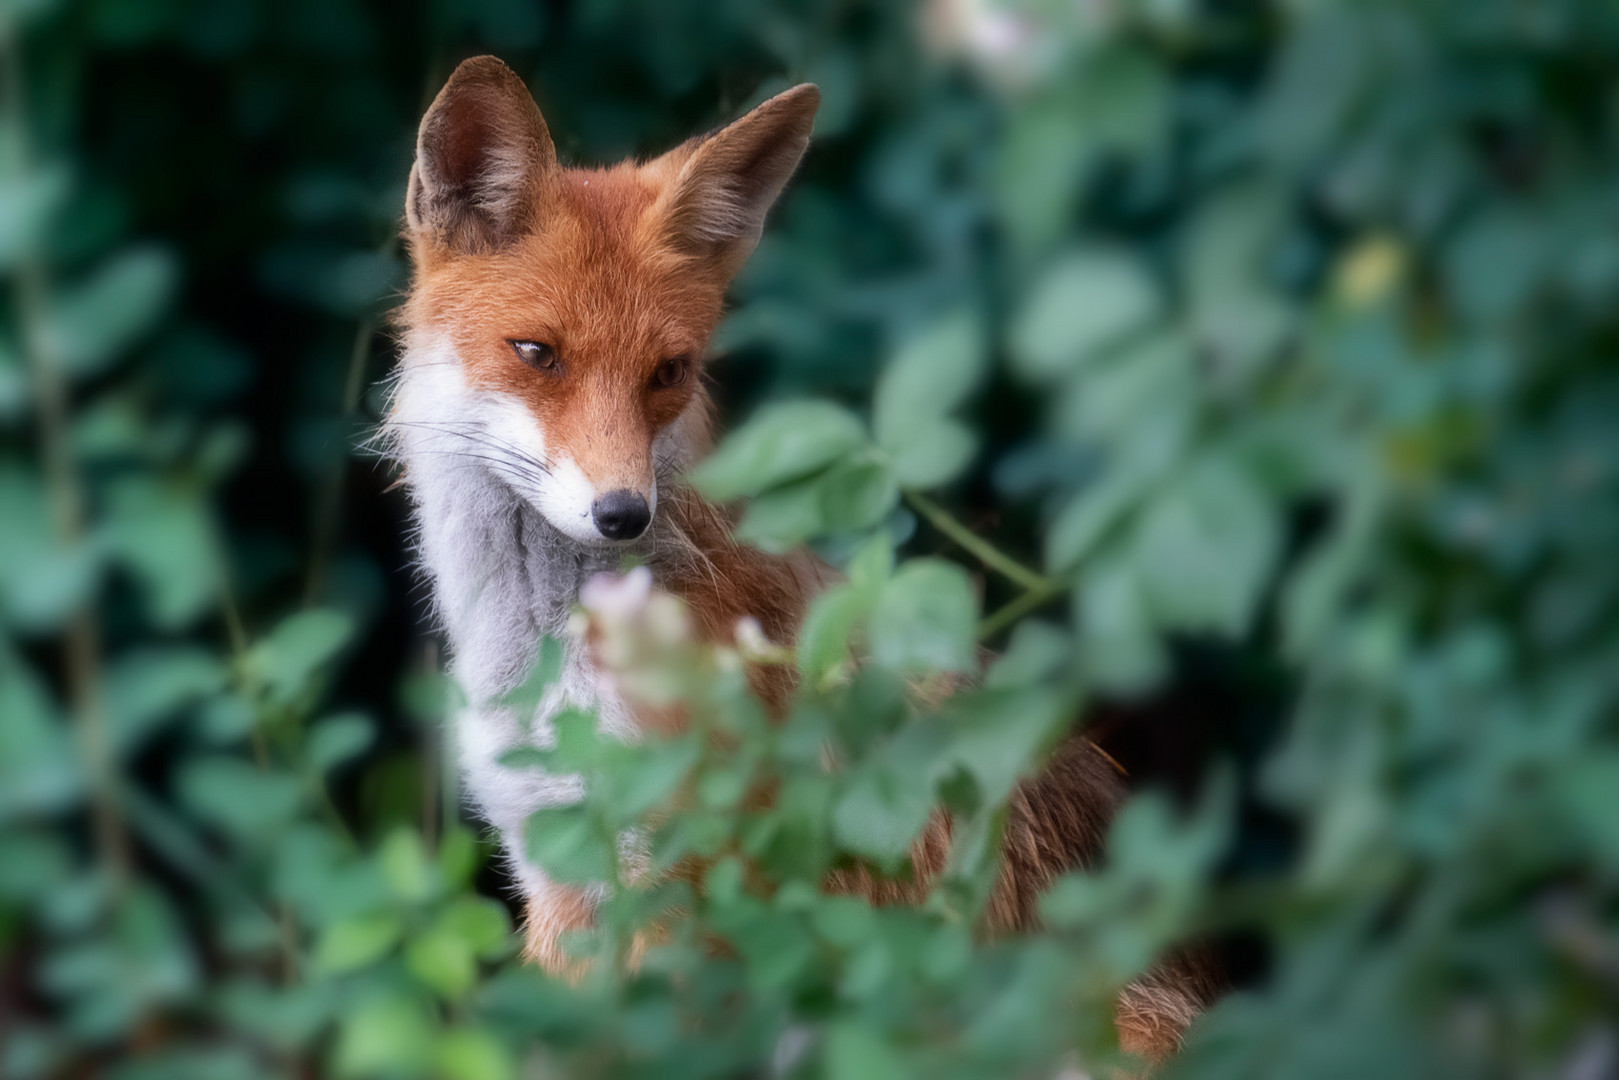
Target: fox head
{"x":558,"y":317}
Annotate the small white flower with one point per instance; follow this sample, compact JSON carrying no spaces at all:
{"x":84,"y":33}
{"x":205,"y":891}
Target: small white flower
{"x":613,"y":596}
{"x":750,"y":638}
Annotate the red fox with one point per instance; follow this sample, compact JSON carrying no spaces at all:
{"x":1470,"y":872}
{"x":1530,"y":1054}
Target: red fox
{"x":547,"y":401}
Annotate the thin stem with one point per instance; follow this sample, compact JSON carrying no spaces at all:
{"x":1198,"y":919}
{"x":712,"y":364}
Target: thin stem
{"x":1015,"y":609}
{"x":982,"y":549}
{"x":81,"y":644}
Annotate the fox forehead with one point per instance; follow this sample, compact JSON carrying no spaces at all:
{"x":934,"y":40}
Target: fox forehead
{"x":593,"y":281}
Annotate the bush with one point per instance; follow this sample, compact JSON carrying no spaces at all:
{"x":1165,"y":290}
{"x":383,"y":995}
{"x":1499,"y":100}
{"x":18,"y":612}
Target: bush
{"x":1143,"y":340}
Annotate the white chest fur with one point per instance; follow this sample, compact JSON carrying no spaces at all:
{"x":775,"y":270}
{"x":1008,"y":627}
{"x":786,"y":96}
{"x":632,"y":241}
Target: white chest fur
{"x":503,"y":579}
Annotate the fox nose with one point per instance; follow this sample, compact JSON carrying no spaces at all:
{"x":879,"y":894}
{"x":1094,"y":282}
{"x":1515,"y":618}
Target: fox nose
{"x":621,"y":514}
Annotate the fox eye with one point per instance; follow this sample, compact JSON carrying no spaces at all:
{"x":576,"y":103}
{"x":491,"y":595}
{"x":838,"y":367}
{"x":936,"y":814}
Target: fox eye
{"x":536,"y":354}
{"x":672,"y":372}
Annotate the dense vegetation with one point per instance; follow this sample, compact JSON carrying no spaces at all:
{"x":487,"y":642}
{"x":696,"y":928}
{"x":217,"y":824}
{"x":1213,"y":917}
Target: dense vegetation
{"x":1241,"y":372}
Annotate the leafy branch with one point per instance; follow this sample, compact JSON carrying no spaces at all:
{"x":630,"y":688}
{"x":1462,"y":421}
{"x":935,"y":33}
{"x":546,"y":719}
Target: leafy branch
{"x":1037,"y":587}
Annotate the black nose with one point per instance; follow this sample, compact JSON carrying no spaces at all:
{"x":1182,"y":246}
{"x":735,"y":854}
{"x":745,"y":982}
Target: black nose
{"x":621,"y":514}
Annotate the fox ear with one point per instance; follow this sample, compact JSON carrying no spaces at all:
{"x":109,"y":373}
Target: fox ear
{"x":723,"y":183}
{"x":484,"y":160}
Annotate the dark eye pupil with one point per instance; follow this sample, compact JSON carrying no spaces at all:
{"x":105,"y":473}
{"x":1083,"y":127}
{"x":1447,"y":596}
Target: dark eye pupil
{"x":671,"y":372}
{"x":536,"y":354}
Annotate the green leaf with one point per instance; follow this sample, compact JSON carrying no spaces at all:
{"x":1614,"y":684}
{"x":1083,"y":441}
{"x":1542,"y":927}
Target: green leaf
{"x":880,"y":813}
{"x":351,"y":944}
{"x":564,"y":841}
{"x":1088,"y":517}
{"x":930,"y":375}
{"x":32,"y":866}
{"x":781,"y":443}
{"x":458,"y":856}
{"x":853,"y":494}
{"x":931,"y":453}
{"x":42,"y":579}
{"x":336,"y":739}
{"x":165,"y":536}
{"x":238,"y":797}
{"x":146,"y":686}
{"x":468,"y":1053}
{"x":545,"y":671}
{"x":932,"y":372}
{"x":480,"y":922}
{"x":1088,"y":300}
{"x":1038,"y":651}
{"x":857,"y":1051}
{"x":1119,"y":647}
{"x":926,"y":619}
{"x":40,"y":768}
{"x":410,"y":873}
{"x":29,"y":202}
{"x":299,"y":647}
{"x":98,"y":317}
{"x":389,"y":1034}
{"x":443,"y":962}
{"x":1205,"y":547}
{"x":873,"y":563}
{"x":1107,"y":401}
{"x":996,"y":735}
{"x":823,"y":640}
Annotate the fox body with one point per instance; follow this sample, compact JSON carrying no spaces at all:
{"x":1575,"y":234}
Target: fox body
{"x":548,"y":398}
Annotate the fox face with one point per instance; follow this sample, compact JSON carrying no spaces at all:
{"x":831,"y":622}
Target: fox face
{"x":558,"y":317}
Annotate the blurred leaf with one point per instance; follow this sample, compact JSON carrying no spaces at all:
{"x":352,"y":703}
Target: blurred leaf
{"x":299,"y":646}
{"x":245,"y":801}
{"x":352,"y":944}
{"x":926,"y":619}
{"x":146,"y":686}
{"x":28,"y":202}
{"x":385,"y":1035}
{"x":564,"y":841}
{"x":474,"y":1054}
{"x":41,"y":578}
{"x":479,"y":922}
{"x":1205,"y":548}
{"x":1088,"y":516}
{"x":336,"y":739}
{"x":823,"y":640}
{"x":31,"y":866}
{"x":410,"y":873}
{"x":442,"y":961}
{"x":1086,"y":301}
{"x":100,"y":316}
{"x":780,"y":444}
{"x":1037,"y":651}
{"x":166,"y":537}
{"x":1118,"y":645}
{"x":995,"y":735}
{"x":851,"y":495}
{"x":881,"y":811}
{"x":931,"y":374}
{"x":857,"y":1051}
{"x":40,"y":770}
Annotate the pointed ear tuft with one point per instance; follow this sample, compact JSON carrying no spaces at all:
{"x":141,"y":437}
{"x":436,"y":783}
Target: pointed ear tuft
{"x":484,"y":161}
{"x":725,"y":182}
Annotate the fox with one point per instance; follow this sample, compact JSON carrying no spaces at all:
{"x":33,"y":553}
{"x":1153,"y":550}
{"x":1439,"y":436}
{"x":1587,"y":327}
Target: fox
{"x":548,"y":398}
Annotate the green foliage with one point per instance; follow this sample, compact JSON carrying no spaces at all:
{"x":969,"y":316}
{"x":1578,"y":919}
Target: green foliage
{"x":1130,"y":339}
